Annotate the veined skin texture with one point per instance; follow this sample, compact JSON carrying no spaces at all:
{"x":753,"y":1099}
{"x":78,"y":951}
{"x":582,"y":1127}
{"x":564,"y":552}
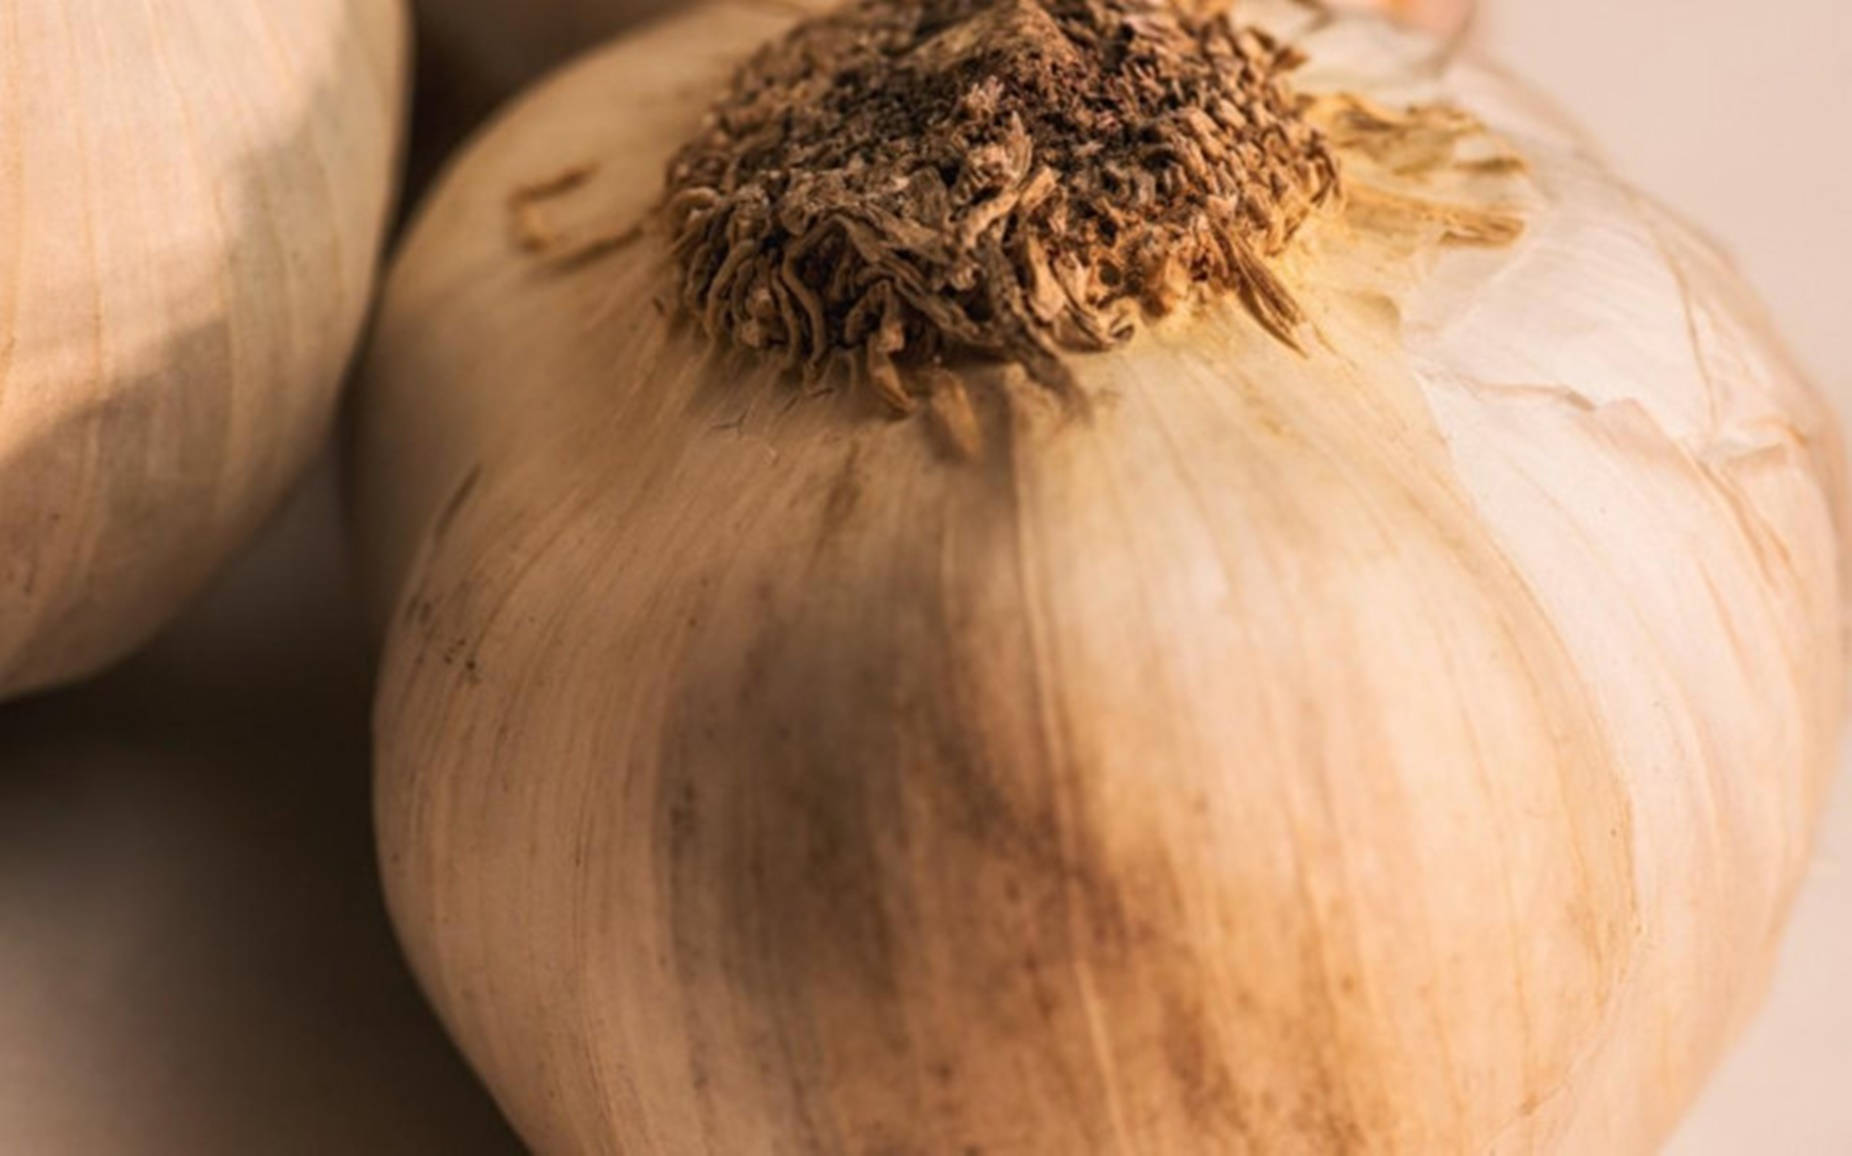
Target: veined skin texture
{"x":1408,"y":746}
{"x":192,"y":199}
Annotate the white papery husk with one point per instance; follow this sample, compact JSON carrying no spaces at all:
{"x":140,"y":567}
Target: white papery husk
{"x":1407,"y":746}
{"x":192,"y":197}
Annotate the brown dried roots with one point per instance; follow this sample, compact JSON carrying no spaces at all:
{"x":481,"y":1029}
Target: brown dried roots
{"x":904,"y":178}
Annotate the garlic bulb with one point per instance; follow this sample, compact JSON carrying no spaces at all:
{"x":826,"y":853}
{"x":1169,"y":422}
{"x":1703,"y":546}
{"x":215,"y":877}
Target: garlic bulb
{"x":1380,"y":708}
{"x":192,"y":194}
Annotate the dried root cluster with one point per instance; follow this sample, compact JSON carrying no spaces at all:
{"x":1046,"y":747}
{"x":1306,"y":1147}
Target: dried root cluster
{"x":900,"y":180}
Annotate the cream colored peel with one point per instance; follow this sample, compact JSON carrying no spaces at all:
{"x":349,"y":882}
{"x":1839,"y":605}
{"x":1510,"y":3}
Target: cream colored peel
{"x":1405,"y":747}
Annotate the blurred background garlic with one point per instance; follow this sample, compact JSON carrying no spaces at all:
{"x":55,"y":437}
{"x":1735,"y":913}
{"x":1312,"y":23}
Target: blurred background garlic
{"x":192,"y":194}
{"x":1410,"y":745}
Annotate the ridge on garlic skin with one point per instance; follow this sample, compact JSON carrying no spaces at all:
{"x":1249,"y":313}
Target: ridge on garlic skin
{"x":1411,"y":746}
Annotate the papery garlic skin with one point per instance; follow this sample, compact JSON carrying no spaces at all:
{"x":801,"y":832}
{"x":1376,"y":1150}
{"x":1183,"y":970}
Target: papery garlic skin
{"x":1407,"y":747}
{"x":192,"y":199}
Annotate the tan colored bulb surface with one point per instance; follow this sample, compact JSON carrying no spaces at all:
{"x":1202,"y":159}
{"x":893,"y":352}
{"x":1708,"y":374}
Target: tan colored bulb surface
{"x":192,"y":194}
{"x":1408,"y":746}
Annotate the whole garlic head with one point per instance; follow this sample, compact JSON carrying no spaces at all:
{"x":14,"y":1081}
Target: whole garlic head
{"x":192,"y":197}
{"x":1406,"y":743}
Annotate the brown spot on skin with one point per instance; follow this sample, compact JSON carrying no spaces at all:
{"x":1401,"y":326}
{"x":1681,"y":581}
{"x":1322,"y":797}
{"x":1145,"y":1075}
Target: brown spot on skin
{"x":892,"y":892}
{"x":458,"y":499}
{"x":1209,"y":1094}
{"x":954,"y":420}
{"x":845,"y":494}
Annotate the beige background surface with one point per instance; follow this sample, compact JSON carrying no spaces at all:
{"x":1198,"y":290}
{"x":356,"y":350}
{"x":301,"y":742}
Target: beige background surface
{"x":193,"y":957}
